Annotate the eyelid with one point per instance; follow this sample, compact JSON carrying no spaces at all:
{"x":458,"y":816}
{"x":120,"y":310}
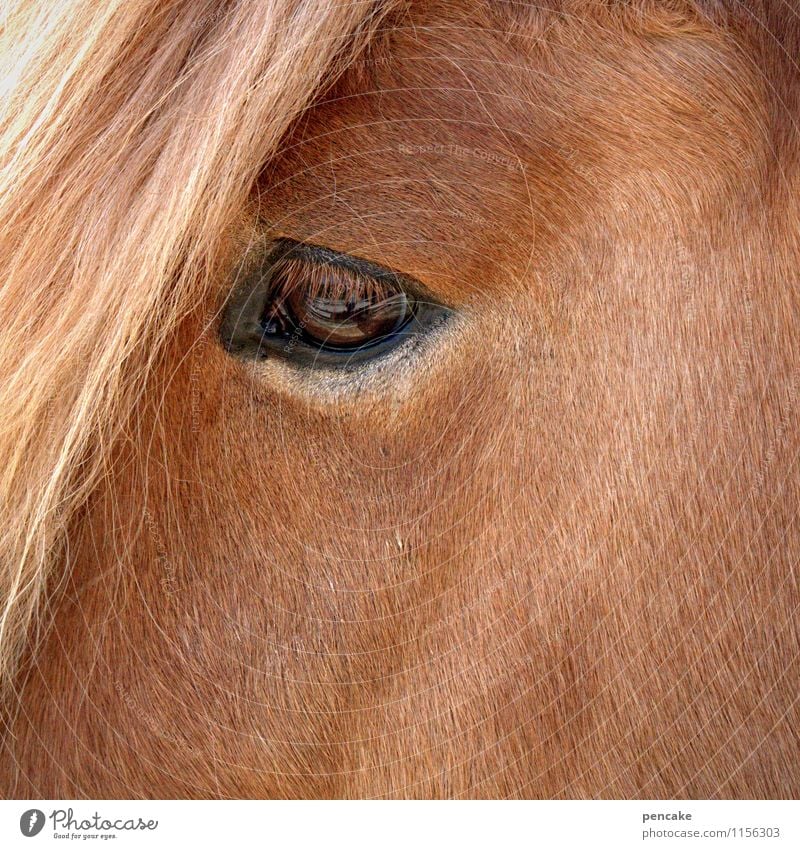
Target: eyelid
{"x":322,"y":278}
{"x":356,"y":267}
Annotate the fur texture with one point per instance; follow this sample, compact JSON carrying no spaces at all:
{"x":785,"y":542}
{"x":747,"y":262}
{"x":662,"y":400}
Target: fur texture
{"x":551,"y":553}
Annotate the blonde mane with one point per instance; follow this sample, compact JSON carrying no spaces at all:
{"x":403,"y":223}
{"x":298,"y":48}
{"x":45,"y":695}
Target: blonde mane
{"x":127,"y":152}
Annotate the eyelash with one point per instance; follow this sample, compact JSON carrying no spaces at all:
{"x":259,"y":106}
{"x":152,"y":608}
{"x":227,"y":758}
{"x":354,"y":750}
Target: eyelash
{"x":318,"y":279}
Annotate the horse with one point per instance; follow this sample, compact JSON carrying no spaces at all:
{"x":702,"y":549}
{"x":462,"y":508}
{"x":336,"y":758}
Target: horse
{"x":399,"y":399}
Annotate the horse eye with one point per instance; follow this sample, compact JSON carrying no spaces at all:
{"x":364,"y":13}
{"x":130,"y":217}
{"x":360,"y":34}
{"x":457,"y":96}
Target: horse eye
{"x":319,"y":308}
{"x":338,"y":323}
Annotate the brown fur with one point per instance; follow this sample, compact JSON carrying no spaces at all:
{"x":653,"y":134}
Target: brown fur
{"x":554,"y":555}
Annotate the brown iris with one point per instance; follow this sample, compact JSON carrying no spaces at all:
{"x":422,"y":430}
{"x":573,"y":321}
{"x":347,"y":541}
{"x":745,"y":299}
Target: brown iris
{"x":351,"y":322}
{"x":333,"y":309}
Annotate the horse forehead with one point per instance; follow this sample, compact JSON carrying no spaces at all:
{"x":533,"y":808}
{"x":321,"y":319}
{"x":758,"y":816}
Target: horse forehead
{"x":414,"y":159}
{"x":452,"y":141}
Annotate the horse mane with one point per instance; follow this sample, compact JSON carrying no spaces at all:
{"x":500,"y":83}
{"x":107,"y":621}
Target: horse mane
{"x":127,"y":152}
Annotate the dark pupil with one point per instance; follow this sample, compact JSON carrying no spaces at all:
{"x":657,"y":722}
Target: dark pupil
{"x":338,"y":323}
